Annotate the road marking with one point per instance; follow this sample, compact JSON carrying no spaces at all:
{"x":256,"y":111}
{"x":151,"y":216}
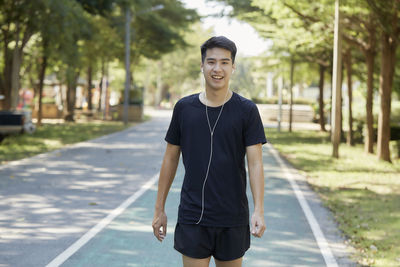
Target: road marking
{"x":61,"y":258}
{"x":316,"y":229}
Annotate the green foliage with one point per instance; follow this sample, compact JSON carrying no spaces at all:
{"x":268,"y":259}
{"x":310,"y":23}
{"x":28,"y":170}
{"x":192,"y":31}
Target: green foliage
{"x":178,"y":71}
{"x":74,"y":35}
{"x":242,"y":80}
{"x":274,"y":100}
{"x":101,"y":7}
{"x":160,"y":32}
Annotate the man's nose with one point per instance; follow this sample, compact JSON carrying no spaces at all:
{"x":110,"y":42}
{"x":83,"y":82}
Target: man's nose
{"x":217,"y":67}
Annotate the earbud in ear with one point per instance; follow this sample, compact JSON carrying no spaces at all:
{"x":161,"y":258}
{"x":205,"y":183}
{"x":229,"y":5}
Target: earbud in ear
{"x":202,"y":70}
{"x":233,"y":71}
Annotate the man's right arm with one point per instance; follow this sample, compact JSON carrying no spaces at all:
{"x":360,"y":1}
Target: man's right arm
{"x":167,"y":175}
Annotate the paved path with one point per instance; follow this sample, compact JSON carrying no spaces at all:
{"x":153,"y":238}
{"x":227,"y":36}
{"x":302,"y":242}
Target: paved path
{"x":92,"y":205}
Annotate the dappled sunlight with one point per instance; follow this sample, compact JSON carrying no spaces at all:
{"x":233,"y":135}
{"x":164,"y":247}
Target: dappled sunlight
{"x":69,"y":230}
{"x":136,"y":226}
{"x":47,"y":211}
{"x":297,"y":245}
{"x":130,"y":253}
{"x":58,"y":196}
{"x":88,"y":184}
{"x":274,"y":215}
{"x":116,"y":146}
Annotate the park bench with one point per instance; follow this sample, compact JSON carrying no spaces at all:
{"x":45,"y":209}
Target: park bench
{"x":15,"y":122}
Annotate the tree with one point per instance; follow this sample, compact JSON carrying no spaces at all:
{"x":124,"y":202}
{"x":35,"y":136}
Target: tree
{"x":349,"y":72}
{"x":388,"y":15}
{"x":159,"y":32}
{"x":168,"y":76}
{"x":18,"y":24}
{"x":360,"y":31}
{"x":297,"y":33}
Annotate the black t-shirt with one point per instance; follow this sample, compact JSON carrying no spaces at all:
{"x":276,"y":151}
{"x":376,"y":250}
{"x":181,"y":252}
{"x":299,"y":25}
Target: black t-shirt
{"x":225,"y":200}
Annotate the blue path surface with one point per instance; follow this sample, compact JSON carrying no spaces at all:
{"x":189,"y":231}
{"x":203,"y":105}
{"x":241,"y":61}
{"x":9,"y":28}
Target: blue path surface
{"x":129,"y":241}
{"x":50,"y":201}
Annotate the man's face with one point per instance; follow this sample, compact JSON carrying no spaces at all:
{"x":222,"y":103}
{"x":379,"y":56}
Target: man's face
{"x":217,"y":68}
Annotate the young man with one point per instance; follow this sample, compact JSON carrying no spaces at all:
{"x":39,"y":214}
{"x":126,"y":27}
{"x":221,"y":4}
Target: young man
{"x":214,"y":130}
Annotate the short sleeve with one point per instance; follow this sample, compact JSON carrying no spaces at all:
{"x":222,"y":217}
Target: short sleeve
{"x":254,"y":130}
{"x":173,"y":135}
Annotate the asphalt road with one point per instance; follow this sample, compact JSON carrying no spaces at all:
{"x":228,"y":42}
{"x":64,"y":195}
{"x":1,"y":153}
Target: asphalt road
{"x":91,"y":204}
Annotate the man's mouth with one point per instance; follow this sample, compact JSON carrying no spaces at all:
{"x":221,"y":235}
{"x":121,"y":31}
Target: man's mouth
{"x":217,"y":77}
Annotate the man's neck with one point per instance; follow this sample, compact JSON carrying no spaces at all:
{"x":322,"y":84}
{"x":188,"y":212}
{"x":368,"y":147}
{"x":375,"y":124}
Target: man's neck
{"x":216,"y":97}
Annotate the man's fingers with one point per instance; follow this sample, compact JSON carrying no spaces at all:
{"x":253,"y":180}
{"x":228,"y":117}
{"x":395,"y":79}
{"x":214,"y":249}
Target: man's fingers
{"x":257,"y":229}
{"x":254,"y":228}
{"x":160,"y":226}
{"x":159,"y":231}
{"x":156,"y":230}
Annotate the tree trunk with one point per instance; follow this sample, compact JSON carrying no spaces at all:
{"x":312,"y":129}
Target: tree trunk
{"x":158,"y":97}
{"x":15,"y":68}
{"x":321,"y":97}
{"x":89,"y":95}
{"x":369,"y":138}
{"x":8,"y":59}
{"x":348,"y":63}
{"x":101,"y":85}
{"x":385,"y":92}
{"x":41,"y":80}
{"x":291,"y":95}
{"x":72,"y":77}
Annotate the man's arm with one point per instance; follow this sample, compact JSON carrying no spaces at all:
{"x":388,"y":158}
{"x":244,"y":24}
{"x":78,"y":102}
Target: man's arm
{"x":167,"y":175}
{"x":256,"y":176}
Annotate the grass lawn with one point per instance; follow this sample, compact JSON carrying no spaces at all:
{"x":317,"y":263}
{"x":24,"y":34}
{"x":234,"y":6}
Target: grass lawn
{"x":53,"y":136}
{"x":362,"y":192}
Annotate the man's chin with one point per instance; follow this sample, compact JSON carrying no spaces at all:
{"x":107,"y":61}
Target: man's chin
{"x":217,"y":86}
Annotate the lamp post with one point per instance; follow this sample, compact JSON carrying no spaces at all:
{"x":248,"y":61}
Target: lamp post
{"x":336,"y":85}
{"x":128,"y":55}
{"x":280,"y":88}
{"x":127,"y":62}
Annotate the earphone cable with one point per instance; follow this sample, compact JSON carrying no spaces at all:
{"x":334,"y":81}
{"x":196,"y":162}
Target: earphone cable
{"x":211,"y":150}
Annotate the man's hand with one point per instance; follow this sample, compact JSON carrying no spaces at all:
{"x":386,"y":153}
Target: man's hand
{"x":160,"y":225}
{"x":257,"y":224}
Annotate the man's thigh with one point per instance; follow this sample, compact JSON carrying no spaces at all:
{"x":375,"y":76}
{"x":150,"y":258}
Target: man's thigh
{"x":234,"y":263}
{"x":192,"y":262}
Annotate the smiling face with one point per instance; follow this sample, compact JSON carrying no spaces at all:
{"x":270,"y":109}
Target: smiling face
{"x":217,"y":68}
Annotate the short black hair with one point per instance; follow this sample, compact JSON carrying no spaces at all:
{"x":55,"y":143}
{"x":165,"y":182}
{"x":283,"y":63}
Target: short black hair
{"x":221,"y":42}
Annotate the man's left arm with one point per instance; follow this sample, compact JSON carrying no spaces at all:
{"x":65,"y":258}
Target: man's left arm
{"x":256,"y":176}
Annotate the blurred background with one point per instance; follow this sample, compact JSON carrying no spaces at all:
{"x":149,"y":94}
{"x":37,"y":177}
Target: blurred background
{"x":72,"y":70}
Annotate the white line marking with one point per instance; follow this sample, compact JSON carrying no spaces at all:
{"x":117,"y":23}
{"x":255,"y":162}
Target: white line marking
{"x":61,"y":258}
{"x":316,"y":229}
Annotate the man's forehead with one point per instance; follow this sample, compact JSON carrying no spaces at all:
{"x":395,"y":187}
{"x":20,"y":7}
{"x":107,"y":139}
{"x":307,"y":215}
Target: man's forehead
{"x":217,"y":53}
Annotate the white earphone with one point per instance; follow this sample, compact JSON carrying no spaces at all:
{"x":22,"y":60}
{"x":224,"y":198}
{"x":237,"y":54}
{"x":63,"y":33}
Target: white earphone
{"x":212,"y":129}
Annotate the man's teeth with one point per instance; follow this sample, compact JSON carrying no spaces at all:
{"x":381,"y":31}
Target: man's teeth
{"x":217,"y":77}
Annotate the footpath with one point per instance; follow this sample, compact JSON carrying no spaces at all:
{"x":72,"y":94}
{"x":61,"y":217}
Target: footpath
{"x":91,"y":204}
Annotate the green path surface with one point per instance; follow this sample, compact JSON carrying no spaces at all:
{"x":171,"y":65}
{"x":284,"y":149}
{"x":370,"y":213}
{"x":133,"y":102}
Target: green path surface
{"x":129,"y":241}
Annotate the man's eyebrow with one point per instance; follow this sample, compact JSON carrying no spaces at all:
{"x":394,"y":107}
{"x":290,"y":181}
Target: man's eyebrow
{"x":222,"y":59}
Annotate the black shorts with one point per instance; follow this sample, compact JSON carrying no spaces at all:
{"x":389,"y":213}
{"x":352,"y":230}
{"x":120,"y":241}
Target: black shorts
{"x":224,"y":243}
